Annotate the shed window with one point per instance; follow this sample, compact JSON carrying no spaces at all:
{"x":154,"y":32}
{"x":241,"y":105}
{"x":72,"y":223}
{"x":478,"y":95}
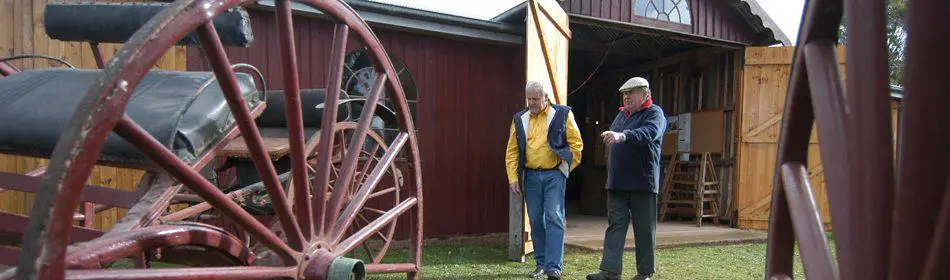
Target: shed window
{"x":676,"y":11}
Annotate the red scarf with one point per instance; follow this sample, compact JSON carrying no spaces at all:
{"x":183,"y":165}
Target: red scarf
{"x":645,"y":105}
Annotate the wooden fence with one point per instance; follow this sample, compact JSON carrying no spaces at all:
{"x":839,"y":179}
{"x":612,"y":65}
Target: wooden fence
{"x":764,"y":86}
{"x":22,"y":32}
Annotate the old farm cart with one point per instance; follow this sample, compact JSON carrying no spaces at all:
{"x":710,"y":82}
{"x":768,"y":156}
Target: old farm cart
{"x":325,"y":190}
{"x":891,"y":221}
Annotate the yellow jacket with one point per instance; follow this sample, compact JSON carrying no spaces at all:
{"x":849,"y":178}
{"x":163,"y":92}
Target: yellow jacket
{"x":538,"y":153}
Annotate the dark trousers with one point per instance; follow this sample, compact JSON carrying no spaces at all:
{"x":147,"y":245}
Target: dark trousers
{"x":622,"y":208}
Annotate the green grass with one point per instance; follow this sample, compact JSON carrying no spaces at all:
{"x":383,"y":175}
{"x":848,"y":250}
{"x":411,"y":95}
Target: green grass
{"x":490,"y":262}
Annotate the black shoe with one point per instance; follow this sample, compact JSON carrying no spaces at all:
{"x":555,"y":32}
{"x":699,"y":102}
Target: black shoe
{"x":643,"y":277}
{"x":537,"y":273}
{"x":603,"y":275}
{"x":554,"y":275}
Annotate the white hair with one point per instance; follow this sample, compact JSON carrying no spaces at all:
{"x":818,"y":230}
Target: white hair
{"x":535,"y":86}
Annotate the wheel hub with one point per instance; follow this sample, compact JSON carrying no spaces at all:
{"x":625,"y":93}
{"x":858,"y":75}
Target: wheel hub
{"x":323,"y":265}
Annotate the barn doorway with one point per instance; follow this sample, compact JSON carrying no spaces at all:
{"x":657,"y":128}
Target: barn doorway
{"x":685,"y":76}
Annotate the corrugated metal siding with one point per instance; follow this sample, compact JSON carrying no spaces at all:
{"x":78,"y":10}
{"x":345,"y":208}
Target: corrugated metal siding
{"x":710,"y":18}
{"x":467,"y":94}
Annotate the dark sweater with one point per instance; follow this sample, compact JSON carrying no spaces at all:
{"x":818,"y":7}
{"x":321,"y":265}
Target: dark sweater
{"x":635,"y":163}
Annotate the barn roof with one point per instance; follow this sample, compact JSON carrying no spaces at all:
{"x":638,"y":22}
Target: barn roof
{"x":506,"y":28}
{"x":414,"y":19}
{"x":749,"y":10}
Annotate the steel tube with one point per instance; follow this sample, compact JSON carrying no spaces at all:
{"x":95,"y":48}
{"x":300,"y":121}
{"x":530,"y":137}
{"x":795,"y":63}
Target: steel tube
{"x":923,"y":164}
{"x":868,"y":123}
{"x":359,"y":199}
{"x":215,"y":53}
{"x":807,"y":222}
{"x":174,"y":166}
{"x":836,"y":134}
{"x":298,"y":158}
{"x":325,"y":146}
{"x":351,"y":158}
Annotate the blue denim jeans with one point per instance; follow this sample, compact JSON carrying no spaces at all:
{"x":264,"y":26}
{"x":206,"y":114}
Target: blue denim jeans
{"x":544,"y":196}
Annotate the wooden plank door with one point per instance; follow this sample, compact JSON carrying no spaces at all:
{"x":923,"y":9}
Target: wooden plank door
{"x":547,"y":37}
{"x":764,"y":87}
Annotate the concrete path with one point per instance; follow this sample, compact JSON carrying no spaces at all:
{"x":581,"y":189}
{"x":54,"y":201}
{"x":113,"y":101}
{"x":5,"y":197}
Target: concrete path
{"x":587,"y":232}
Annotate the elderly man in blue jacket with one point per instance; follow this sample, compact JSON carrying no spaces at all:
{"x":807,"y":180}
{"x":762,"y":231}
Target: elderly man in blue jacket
{"x":633,"y":174}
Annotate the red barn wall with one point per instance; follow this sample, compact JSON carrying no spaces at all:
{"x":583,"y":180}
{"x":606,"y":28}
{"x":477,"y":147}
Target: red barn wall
{"x":467,"y":93}
{"x":710,"y":18}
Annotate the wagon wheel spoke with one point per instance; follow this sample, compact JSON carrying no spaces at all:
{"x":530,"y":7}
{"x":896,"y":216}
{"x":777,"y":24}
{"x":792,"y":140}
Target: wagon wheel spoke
{"x":215,"y":53}
{"x":360,"y":236}
{"x":378,"y":233}
{"x":358,"y":201}
{"x":382,"y":192}
{"x":327,"y":128}
{"x":292,"y":108}
{"x":374,"y":210}
{"x":361,"y":176}
{"x":354,"y":151}
{"x":365,"y":246}
{"x":373,"y":257}
{"x":137,"y":136}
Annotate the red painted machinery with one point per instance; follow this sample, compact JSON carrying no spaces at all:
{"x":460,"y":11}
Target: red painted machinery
{"x":319,"y":192}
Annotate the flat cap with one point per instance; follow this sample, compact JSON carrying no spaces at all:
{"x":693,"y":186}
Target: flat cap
{"x":633,"y":83}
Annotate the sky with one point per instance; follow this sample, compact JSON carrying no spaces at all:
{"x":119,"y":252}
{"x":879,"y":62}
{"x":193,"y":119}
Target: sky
{"x":786,"y":13}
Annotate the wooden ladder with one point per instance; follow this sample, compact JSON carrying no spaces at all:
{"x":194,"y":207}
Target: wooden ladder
{"x":687,"y":192}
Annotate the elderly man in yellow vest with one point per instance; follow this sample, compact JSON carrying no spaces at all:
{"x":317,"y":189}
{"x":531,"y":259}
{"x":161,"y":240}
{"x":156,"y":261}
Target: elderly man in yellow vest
{"x":544,"y":146}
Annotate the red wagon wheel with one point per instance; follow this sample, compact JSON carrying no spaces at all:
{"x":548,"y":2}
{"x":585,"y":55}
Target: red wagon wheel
{"x":891,"y":214}
{"x":315,"y":223}
{"x":386,"y":196}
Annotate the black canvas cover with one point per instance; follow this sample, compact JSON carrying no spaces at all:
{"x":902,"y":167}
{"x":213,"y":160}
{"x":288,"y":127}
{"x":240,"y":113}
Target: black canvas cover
{"x":115,"y":23}
{"x":185,"y":111}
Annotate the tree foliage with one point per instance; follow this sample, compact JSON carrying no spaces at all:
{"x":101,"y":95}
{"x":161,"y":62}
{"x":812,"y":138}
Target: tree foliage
{"x":896,"y":36}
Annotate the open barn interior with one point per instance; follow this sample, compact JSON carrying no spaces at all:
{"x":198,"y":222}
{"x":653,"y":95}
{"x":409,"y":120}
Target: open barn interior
{"x":687,"y":76}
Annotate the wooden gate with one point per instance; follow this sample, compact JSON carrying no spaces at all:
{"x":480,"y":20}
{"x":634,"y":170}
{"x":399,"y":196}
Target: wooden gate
{"x":547,"y":37}
{"x":764,"y":86}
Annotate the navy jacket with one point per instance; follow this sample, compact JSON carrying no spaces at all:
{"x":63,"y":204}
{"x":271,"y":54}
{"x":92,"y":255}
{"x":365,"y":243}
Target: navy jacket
{"x":557,"y":138}
{"x":635,"y":163}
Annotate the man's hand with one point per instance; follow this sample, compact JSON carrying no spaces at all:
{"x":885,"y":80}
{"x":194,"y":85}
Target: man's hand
{"x":515,"y":188}
{"x":611,"y":137}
